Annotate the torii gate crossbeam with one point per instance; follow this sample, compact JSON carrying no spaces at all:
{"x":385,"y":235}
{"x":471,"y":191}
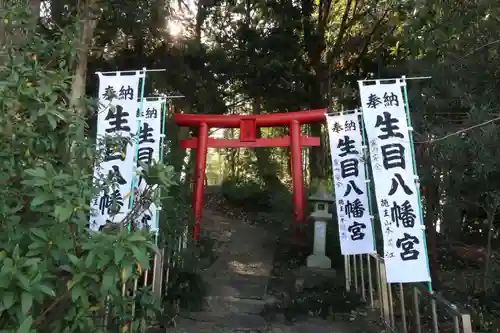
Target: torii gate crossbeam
{"x":249,"y":125}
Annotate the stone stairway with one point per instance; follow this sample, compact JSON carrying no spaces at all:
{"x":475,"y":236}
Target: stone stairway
{"x":238,"y":282}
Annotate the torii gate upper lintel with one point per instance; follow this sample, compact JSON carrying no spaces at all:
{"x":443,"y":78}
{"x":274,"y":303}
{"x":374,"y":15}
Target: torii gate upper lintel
{"x":248,"y":125}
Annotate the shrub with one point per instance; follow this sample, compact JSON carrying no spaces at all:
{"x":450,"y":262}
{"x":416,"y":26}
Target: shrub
{"x":55,"y":276}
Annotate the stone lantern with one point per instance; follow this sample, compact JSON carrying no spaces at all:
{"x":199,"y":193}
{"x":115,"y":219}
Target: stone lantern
{"x":321,"y":217}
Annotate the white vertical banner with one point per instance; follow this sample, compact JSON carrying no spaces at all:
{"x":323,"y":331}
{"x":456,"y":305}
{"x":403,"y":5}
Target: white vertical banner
{"x":384,"y":115}
{"x":119,"y":95}
{"x":351,"y":196}
{"x":148,"y":151}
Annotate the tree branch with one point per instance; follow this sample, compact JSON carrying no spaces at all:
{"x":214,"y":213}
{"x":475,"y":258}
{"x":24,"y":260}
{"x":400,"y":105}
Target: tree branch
{"x":368,"y":38}
{"x":38,"y":321}
{"x":340,"y":36}
{"x":323,"y":15}
{"x":474,"y":204}
{"x":307,"y":27}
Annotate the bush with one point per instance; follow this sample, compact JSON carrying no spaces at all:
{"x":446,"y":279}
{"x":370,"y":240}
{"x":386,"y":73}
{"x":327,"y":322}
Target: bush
{"x":55,"y":276}
{"x":185,"y":290}
{"x":247,"y":194}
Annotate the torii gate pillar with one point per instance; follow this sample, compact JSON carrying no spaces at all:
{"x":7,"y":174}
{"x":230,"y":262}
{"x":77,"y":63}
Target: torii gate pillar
{"x":297,"y":176}
{"x":199,"y":184}
{"x":248,"y":126}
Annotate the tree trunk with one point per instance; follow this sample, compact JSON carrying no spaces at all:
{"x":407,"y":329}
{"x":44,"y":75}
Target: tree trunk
{"x":2,"y":27}
{"x":176,"y":155}
{"x":430,"y":221}
{"x":79,"y":79}
{"x":160,"y":16}
{"x":317,"y":156}
{"x":56,"y":11}
{"x":268,"y":170}
{"x":431,"y":181}
{"x":232,"y":158}
{"x":36,"y":6}
{"x":317,"y":160}
{"x":190,"y":168}
{"x":451,"y":219}
{"x":487,"y":260}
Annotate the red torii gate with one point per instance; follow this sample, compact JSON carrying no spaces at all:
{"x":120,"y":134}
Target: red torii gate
{"x":249,"y":125}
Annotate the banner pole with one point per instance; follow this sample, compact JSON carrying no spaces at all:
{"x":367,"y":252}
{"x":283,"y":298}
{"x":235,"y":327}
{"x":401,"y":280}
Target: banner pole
{"x":139,"y":123}
{"x":366,"y":160}
{"x":132,"y":71}
{"x":395,"y":79}
{"x":162,"y":150}
{"x":414,"y":160}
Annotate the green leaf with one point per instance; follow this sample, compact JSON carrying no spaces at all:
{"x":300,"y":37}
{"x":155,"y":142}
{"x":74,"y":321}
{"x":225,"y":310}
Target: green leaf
{"x":139,"y":255}
{"x":77,"y":292}
{"x":119,"y":254}
{"x":40,"y":199}
{"x":52,"y":121}
{"x":24,"y":282}
{"x":26,"y":302}
{"x":153,"y":247}
{"x":8,"y":299}
{"x":7,"y":265}
{"x":37,"y":172}
{"x":78,"y":277}
{"x":38,"y":277}
{"x":31,"y":262}
{"x":26,"y":325}
{"x":104,"y":260}
{"x":47,"y":290}
{"x":127,"y":272}
{"x":70,"y":284}
{"x":15,"y":254}
{"x":63,"y":213}
{"x":35,"y":182}
{"x":90,"y":259}
{"x":39,"y":233}
{"x":4,"y":284}
{"x":74,"y":259}
{"x":66,"y":268}
{"x":136,"y":237}
{"x":108,"y":280}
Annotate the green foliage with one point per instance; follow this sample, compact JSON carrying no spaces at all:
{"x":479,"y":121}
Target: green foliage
{"x":271,"y":207}
{"x":176,"y":217}
{"x":458,"y":47}
{"x":185,"y":290}
{"x":322,"y":186}
{"x":244,"y":192}
{"x":55,"y":276}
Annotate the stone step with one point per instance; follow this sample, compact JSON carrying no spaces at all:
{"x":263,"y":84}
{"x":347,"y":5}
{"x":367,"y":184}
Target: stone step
{"x":228,"y":320}
{"x":232,"y":304}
